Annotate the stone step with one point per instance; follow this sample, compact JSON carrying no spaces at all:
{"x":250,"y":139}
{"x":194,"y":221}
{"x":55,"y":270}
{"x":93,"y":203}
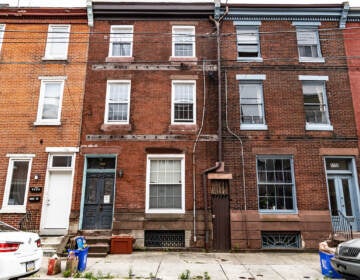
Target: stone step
{"x":99,"y":248}
{"x":97,"y":239}
{"x":97,"y":255}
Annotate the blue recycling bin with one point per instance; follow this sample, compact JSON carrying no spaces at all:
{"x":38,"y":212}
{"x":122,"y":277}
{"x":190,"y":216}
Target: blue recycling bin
{"x":80,"y":242}
{"x":326,"y":268}
{"x":82,"y":257}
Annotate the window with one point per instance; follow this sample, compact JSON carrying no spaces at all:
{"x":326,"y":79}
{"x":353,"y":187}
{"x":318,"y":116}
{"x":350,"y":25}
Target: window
{"x":251,"y":101}
{"x":117,"y":102}
{"x":57,"y":42}
{"x":121,"y":41}
{"x":276,"y":187}
{"x":2,"y":30}
{"x":183,"y":41}
{"x":183,"y":102}
{"x":165,"y":184}
{"x":17,"y":183}
{"x":49,"y":109}
{"x":248,"y":44}
{"x":307,"y":35}
{"x":315,"y":105}
{"x":61,"y":161}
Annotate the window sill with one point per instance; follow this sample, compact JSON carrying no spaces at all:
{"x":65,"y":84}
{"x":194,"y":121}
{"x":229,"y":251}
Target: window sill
{"x":164,"y":211}
{"x":184,"y":59}
{"x":106,"y":127}
{"x":183,"y":128}
{"x":253,"y":127}
{"x":275,"y":213}
{"x":320,"y":127}
{"x":313,"y":59}
{"x":54,"y":58}
{"x":119,"y":59}
{"x":249,"y":59}
{"x":47,"y":123}
{"x":15,"y":211}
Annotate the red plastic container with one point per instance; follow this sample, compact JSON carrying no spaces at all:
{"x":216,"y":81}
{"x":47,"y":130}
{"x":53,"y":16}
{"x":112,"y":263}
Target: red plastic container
{"x":121,"y":245}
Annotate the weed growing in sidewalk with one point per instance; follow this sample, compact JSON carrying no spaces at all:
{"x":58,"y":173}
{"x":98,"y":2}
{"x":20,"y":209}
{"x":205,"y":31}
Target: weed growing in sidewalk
{"x":206,"y":276}
{"x":185,"y":275}
{"x":87,"y":275}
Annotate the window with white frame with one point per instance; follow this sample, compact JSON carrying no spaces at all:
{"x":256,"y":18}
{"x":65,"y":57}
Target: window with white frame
{"x":183,"y":102}
{"x":2,"y":30}
{"x":57,"y":42}
{"x":252,"y":112}
{"x":276,"y":184}
{"x":117,"y":102}
{"x":248,"y":42}
{"x":183,"y":41}
{"x":315,"y":102}
{"x":17,"y":183}
{"x":308,"y":44}
{"x":165,"y":184}
{"x":121,"y":41}
{"x":50,"y":100}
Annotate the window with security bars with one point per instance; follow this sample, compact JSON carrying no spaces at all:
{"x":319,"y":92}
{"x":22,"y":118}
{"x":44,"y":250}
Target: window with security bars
{"x":57,"y":42}
{"x":183,"y":102}
{"x":165,"y":238}
{"x":315,"y":106}
{"x":248,"y":43}
{"x":276,"y":187}
{"x":49,"y":110}
{"x":165,"y":184}
{"x":2,"y":30}
{"x":308,"y":43}
{"x":183,"y":41}
{"x":117,"y":102}
{"x":251,"y":103}
{"x":121,"y":41}
{"x":280,"y":240}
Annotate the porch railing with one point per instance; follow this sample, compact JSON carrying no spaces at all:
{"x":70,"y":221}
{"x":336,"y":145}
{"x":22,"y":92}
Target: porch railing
{"x":26,"y":223}
{"x":342,"y":226}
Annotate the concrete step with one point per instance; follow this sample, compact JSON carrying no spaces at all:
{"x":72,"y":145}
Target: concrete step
{"x":97,"y":255}
{"x":97,"y":239}
{"x":99,"y":248}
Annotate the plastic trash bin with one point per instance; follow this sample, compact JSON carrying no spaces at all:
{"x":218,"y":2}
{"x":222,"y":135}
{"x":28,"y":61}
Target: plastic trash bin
{"x":326,"y":268}
{"x":82,"y":256}
{"x":80,"y":242}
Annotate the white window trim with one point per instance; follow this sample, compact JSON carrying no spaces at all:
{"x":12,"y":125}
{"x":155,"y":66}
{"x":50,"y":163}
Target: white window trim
{"x":173,"y":101}
{"x":250,"y":24}
{"x":48,"y":56}
{"x":39,"y":120}
{"x":109,"y":82}
{"x":191,"y":31}
{"x":61,"y":149}
{"x":2,"y":31}
{"x":113,"y":30}
{"x":318,"y":126}
{"x":167,"y":157}
{"x":314,"y":26}
{"x":253,"y":78}
{"x":16,"y":208}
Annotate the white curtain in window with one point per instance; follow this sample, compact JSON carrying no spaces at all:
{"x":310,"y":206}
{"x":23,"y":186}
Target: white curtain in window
{"x":307,"y":37}
{"x":119,"y":92}
{"x":51,"y":100}
{"x":58,"y":39}
{"x":184,"y":93}
{"x":165,"y":172}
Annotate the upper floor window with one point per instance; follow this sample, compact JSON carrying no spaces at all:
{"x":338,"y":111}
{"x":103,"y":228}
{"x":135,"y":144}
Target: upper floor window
{"x":315,"y":102}
{"x":276,"y":184}
{"x":183,"y":41}
{"x":50,"y":100}
{"x":248,"y":43}
{"x":121,"y":41}
{"x":165,"y":188}
{"x":183,"y":102}
{"x":117,"y":102}
{"x":17,"y":183}
{"x":252,"y":113}
{"x":57,"y":42}
{"x":308,"y":42}
{"x":2,"y":29}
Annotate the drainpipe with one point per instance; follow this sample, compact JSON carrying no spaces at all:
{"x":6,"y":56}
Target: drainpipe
{"x":216,"y":20}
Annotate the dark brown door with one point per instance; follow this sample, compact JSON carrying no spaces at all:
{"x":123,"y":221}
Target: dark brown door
{"x":221,"y":222}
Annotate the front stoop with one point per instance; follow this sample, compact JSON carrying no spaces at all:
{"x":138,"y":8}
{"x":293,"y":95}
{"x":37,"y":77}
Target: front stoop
{"x":98,"y":242}
{"x":51,"y":244}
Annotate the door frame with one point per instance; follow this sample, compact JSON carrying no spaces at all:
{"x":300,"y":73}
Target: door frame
{"x":54,"y":151}
{"x":352,"y":174}
{"x":83,"y":188}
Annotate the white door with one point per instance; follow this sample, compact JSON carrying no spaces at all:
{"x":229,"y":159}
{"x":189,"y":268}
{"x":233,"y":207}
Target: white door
{"x":57,"y":203}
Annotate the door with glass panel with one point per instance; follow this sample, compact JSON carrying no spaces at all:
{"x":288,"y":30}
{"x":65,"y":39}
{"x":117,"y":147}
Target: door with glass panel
{"x":342,"y":198}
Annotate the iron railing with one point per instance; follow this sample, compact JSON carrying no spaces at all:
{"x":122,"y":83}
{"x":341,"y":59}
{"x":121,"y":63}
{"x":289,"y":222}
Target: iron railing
{"x":342,"y":226}
{"x":26,"y":223}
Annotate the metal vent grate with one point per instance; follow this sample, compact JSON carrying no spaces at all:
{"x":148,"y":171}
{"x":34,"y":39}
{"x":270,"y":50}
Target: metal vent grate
{"x":165,"y":238}
{"x":280,"y":240}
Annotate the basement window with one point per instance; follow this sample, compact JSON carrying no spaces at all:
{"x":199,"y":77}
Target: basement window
{"x":280,"y":240}
{"x":165,"y":238}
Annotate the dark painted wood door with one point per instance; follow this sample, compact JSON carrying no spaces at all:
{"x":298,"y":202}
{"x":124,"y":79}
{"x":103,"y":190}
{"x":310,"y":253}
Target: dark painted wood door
{"x":98,"y":203}
{"x":221,"y":222}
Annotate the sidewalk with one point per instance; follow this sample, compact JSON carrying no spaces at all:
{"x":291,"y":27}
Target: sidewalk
{"x":218,"y":266}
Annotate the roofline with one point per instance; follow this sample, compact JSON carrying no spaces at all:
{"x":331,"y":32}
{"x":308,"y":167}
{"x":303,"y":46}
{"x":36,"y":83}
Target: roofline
{"x":41,"y":13}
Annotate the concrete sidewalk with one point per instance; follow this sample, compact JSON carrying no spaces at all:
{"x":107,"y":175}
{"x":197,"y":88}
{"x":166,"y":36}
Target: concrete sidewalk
{"x":218,"y":266}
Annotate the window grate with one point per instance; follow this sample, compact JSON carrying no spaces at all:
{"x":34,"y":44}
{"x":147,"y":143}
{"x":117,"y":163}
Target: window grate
{"x":165,"y":238}
{"x":280,"y":240}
